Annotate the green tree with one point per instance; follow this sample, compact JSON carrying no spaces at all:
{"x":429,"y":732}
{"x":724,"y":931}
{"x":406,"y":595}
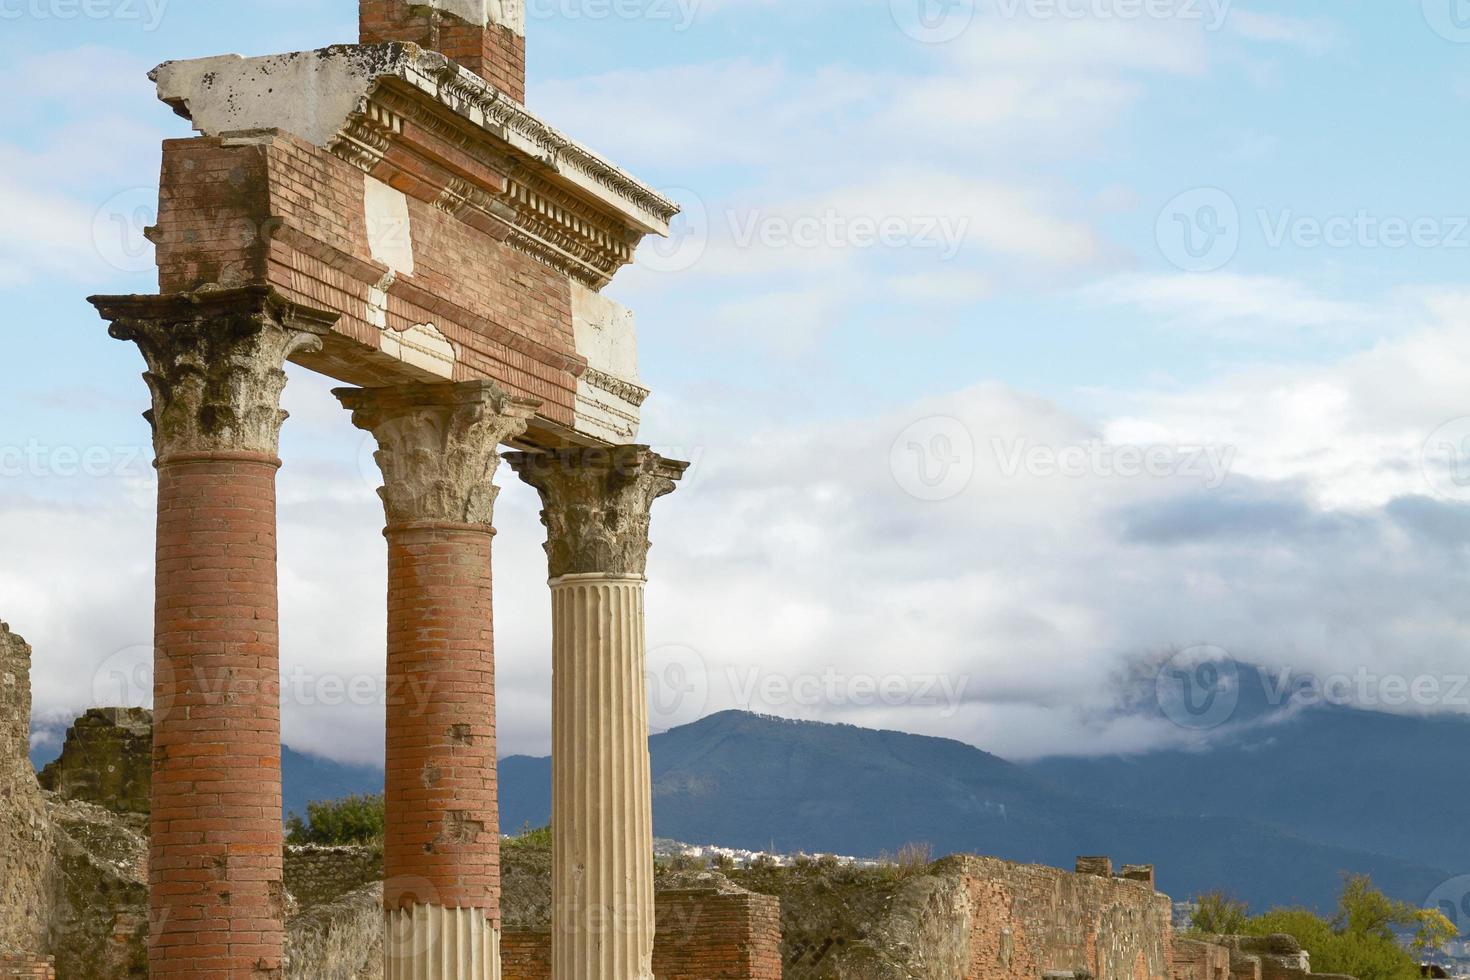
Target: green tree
{"x":1218,"y":914}
{"x":1364,"y":938}
{"x":350,"y":820}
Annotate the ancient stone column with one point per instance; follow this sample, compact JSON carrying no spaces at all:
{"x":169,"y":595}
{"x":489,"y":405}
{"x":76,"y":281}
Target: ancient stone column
{"x":216,"y":371}
{"x":438,"y":450}
{"x":597,"y":504}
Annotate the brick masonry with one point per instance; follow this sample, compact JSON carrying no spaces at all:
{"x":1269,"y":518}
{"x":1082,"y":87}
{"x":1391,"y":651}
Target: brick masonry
{"x":26,"y":968}
{"x":717,"y":934}
{"x":496,"y":54}
{"x":1028,"y":920}
{"x":275,"y":209}
{"x":707,"y":930}
{"x":443,"y":844}
{"x":216,"y":892}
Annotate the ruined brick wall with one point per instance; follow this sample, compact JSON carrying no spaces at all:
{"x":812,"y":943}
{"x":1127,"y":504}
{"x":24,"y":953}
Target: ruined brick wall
{"x":1196,"y":960}
{"x":17,"y":967}
{"x":1027,"y":921}
{"x":107,"y":759}
{"x":525,"y":955}
{"x":708,"y":929}
{"x":25,"y":830}
{"x":712,"y":930}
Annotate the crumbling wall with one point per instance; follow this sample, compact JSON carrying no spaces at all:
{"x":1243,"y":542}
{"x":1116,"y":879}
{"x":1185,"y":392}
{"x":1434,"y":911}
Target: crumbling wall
{"x":710,"y":929}
{"x":107,"y":759}
{"x":25,"y":831}
{"x":1196,"y":960}
{"x":966,"y":918}
{"x":1277,"y":957}
{"x":99,"y":926}
{"x":1026,"y":921}
{"x":318,"y":875}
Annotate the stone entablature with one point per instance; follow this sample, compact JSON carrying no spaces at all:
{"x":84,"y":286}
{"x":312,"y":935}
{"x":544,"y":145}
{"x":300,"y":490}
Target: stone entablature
{"x":366,"y":180}
{"x":328,"y":95}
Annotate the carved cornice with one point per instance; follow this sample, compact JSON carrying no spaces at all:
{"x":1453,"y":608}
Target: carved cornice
{"x":365,"y":140}
{"x":216,"y":363}
{"x":629,"y":392}
{"x":542,"y":220}
{"x":439,"y":447}
{"x":597,"y":505}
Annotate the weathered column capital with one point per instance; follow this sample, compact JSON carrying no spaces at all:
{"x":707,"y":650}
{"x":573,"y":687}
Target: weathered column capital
{"x":439,"y":447}
{"x":216,"y":364}
{"x":597,"y":504}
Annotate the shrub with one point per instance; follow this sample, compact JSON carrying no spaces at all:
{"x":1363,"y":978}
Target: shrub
{"x":1220,"y":915}
{"x":350,"y":820}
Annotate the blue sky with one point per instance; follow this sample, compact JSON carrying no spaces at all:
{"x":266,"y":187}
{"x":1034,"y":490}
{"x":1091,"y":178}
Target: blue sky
{"x":1036,"y":173}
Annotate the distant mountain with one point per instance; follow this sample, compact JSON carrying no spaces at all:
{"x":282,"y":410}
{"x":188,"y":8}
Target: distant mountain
{"x":1360,"y":780}
{"x":754,"y":782}
{"x":1273,"y":811}
{"x":308,"y":778}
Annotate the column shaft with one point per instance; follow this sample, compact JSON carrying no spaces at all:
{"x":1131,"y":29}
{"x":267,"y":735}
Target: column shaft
{"x":216,"y":369}
{"x":602,"y":802}
{"x":442,"y":853}
{"x":215,"y":875}
{"x":438,"y":447}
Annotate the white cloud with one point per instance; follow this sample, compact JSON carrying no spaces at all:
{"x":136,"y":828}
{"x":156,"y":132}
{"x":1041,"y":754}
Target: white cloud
{"x":1253,"y":306}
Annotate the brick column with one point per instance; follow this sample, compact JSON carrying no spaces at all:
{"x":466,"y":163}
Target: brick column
{"x":216,"y":371}
{"x":438,"y":450}
{"x":597,"y":507}
{"x":486,"y":36}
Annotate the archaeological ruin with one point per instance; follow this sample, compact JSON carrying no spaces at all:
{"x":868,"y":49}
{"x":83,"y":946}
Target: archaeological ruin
{"x":391,"y":215}
{"x":85,"y":873}
{"x":388,"y":213}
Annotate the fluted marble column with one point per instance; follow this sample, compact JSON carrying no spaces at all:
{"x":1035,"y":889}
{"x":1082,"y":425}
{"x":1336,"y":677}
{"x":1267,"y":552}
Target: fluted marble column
{"x":216,"y":372}
{"x":438,"y":450}
{"x":597,"y":504}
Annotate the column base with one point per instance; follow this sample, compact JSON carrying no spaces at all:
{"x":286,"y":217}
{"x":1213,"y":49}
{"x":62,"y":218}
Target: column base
{"x":428,"y":942}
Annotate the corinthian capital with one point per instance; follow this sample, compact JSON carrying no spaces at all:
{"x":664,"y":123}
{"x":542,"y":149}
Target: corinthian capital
{"x":597,"y":505}
{"x":216,"y":363}
{"x":439,"y":446}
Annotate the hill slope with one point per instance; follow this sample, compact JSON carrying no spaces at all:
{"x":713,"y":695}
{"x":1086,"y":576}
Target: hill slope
{"x":754,"y":782}
{"x":1356,"y":779}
